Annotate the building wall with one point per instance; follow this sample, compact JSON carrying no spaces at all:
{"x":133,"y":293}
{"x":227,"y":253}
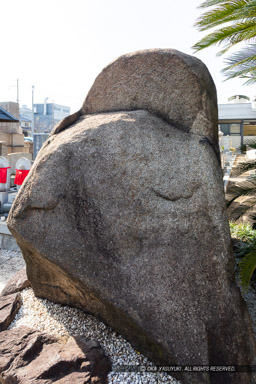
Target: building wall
{"x":12,"y":108}
{"x":54,"y":113}
{"x":236,"y":141}
{"x":26,"y":112}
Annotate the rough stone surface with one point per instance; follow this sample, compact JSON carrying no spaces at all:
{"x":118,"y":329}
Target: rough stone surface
{"x":17,"y":283}
{"x":166,"y":82}
{"x":28,"y":357}
{"x":66,"y":122}
{"x":9,"y":306}
{"x":123,"y":215}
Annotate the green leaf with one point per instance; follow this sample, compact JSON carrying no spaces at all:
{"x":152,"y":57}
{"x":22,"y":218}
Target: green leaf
{"x":242,"y":168}
{"x":227,"y":11}
{"x":246,"y":268}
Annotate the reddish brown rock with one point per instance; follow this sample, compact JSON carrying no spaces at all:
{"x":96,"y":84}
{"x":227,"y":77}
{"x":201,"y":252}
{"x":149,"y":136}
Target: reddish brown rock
{"x":17,"y":283}
{"x":28,"y":357}
{"x":9,"y":306}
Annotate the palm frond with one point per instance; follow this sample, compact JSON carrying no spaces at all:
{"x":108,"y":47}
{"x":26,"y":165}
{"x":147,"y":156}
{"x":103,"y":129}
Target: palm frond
{"x":210,"y":3}
{"x":244,"y":73}
{"x":245,"y":188}
{"x":244,"y":167}
{"x":252,"y":144}
{"x":246,"y":268}
{"x":244,"y":209}
{"x":244,"y":56}
{"x":225,"y":13}
{"x":230,"y":35}
{"x":250,"y":6}
{"x":251,"y":80}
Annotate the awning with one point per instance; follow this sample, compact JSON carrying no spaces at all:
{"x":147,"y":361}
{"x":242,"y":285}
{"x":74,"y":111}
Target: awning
{"x":7,"y":117}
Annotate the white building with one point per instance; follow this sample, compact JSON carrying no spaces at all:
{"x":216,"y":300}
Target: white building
{"x":238,"y":120}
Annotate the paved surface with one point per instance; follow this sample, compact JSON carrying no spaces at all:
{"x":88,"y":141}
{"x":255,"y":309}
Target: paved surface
{"x":10,"y":263}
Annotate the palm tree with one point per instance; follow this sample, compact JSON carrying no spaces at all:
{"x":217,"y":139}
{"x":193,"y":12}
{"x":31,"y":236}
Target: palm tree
{"x":245,"y":189}
{"x":237,"y":19}
{"x":242,"y":197}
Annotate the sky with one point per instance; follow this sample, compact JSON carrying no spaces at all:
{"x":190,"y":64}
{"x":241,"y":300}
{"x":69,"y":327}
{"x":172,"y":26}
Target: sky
{"x":60,"y":46}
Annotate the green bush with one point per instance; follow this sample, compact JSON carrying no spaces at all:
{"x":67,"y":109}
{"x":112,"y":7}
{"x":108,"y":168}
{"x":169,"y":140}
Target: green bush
{"x":242,"y":231}
{"x":246,"y":249}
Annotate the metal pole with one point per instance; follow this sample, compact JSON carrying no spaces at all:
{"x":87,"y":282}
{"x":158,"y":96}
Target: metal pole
{"x":242,"y":132}
{"x":33,"y":120}
{"x":18,"y":91}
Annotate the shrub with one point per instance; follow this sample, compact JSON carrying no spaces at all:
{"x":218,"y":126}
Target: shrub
{"x":246,"y":249}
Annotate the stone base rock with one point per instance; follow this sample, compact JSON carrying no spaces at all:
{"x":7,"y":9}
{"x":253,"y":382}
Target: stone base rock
{"x":17,"y":283}
{"x":28,"y":357}
{"x":9,"y":306}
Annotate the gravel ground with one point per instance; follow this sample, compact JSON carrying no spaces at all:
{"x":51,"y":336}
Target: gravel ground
{"x":65,"y":322}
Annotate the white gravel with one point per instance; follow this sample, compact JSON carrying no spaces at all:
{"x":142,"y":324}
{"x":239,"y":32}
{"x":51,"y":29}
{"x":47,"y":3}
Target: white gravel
{"x":65,"y":322}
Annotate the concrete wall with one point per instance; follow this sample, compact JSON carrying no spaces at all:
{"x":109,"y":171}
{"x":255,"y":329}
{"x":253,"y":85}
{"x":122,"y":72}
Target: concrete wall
{"x":7,"y":241}
{"x":236,"y":141}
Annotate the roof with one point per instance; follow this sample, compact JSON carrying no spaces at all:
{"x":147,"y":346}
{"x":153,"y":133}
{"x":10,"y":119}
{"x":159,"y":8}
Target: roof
{"x":23,"y":118}
{"x":236,"y":111}
{"x":7,"y":117}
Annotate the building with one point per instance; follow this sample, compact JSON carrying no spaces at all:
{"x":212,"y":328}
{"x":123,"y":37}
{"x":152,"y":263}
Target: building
{"x":46,"y":115}
{"x":6,"y":117}
{"x":26,"y":125}
{"x":10,"y":132}
{"x":26,"y":120}
{"x":238,"y":119}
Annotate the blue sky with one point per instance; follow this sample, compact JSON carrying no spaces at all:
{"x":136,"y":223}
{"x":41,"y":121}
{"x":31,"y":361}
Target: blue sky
{"x":60,"y":46}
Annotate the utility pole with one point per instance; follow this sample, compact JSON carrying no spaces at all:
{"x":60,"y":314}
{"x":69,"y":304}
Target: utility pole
{"x":33,"y":119}
{"x":18,"y":91}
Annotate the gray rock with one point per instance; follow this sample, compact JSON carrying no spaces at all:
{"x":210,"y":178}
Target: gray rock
{"x":166,"y":82}
{"x":28,"y":356}
{"x":66,"y":122}
{"x":17,"y":283}
{"x":9,"y":306}
{"x":123,"y":215}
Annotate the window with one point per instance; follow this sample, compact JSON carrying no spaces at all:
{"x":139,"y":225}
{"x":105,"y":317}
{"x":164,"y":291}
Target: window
{"x":234,"y":129}
{"x":224,"y":128}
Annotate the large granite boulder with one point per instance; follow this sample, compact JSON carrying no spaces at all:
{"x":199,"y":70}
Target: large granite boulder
{"x":123,"y":215}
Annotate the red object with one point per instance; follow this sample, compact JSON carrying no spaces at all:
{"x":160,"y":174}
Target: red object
{"x":3,"y":175}
{"x":20,"y":176}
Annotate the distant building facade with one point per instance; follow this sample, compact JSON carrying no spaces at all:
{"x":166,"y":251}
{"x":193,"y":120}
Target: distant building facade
{"x":10,"y":132}
{"x":46,"y":115}
{"x":238,"y":119}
